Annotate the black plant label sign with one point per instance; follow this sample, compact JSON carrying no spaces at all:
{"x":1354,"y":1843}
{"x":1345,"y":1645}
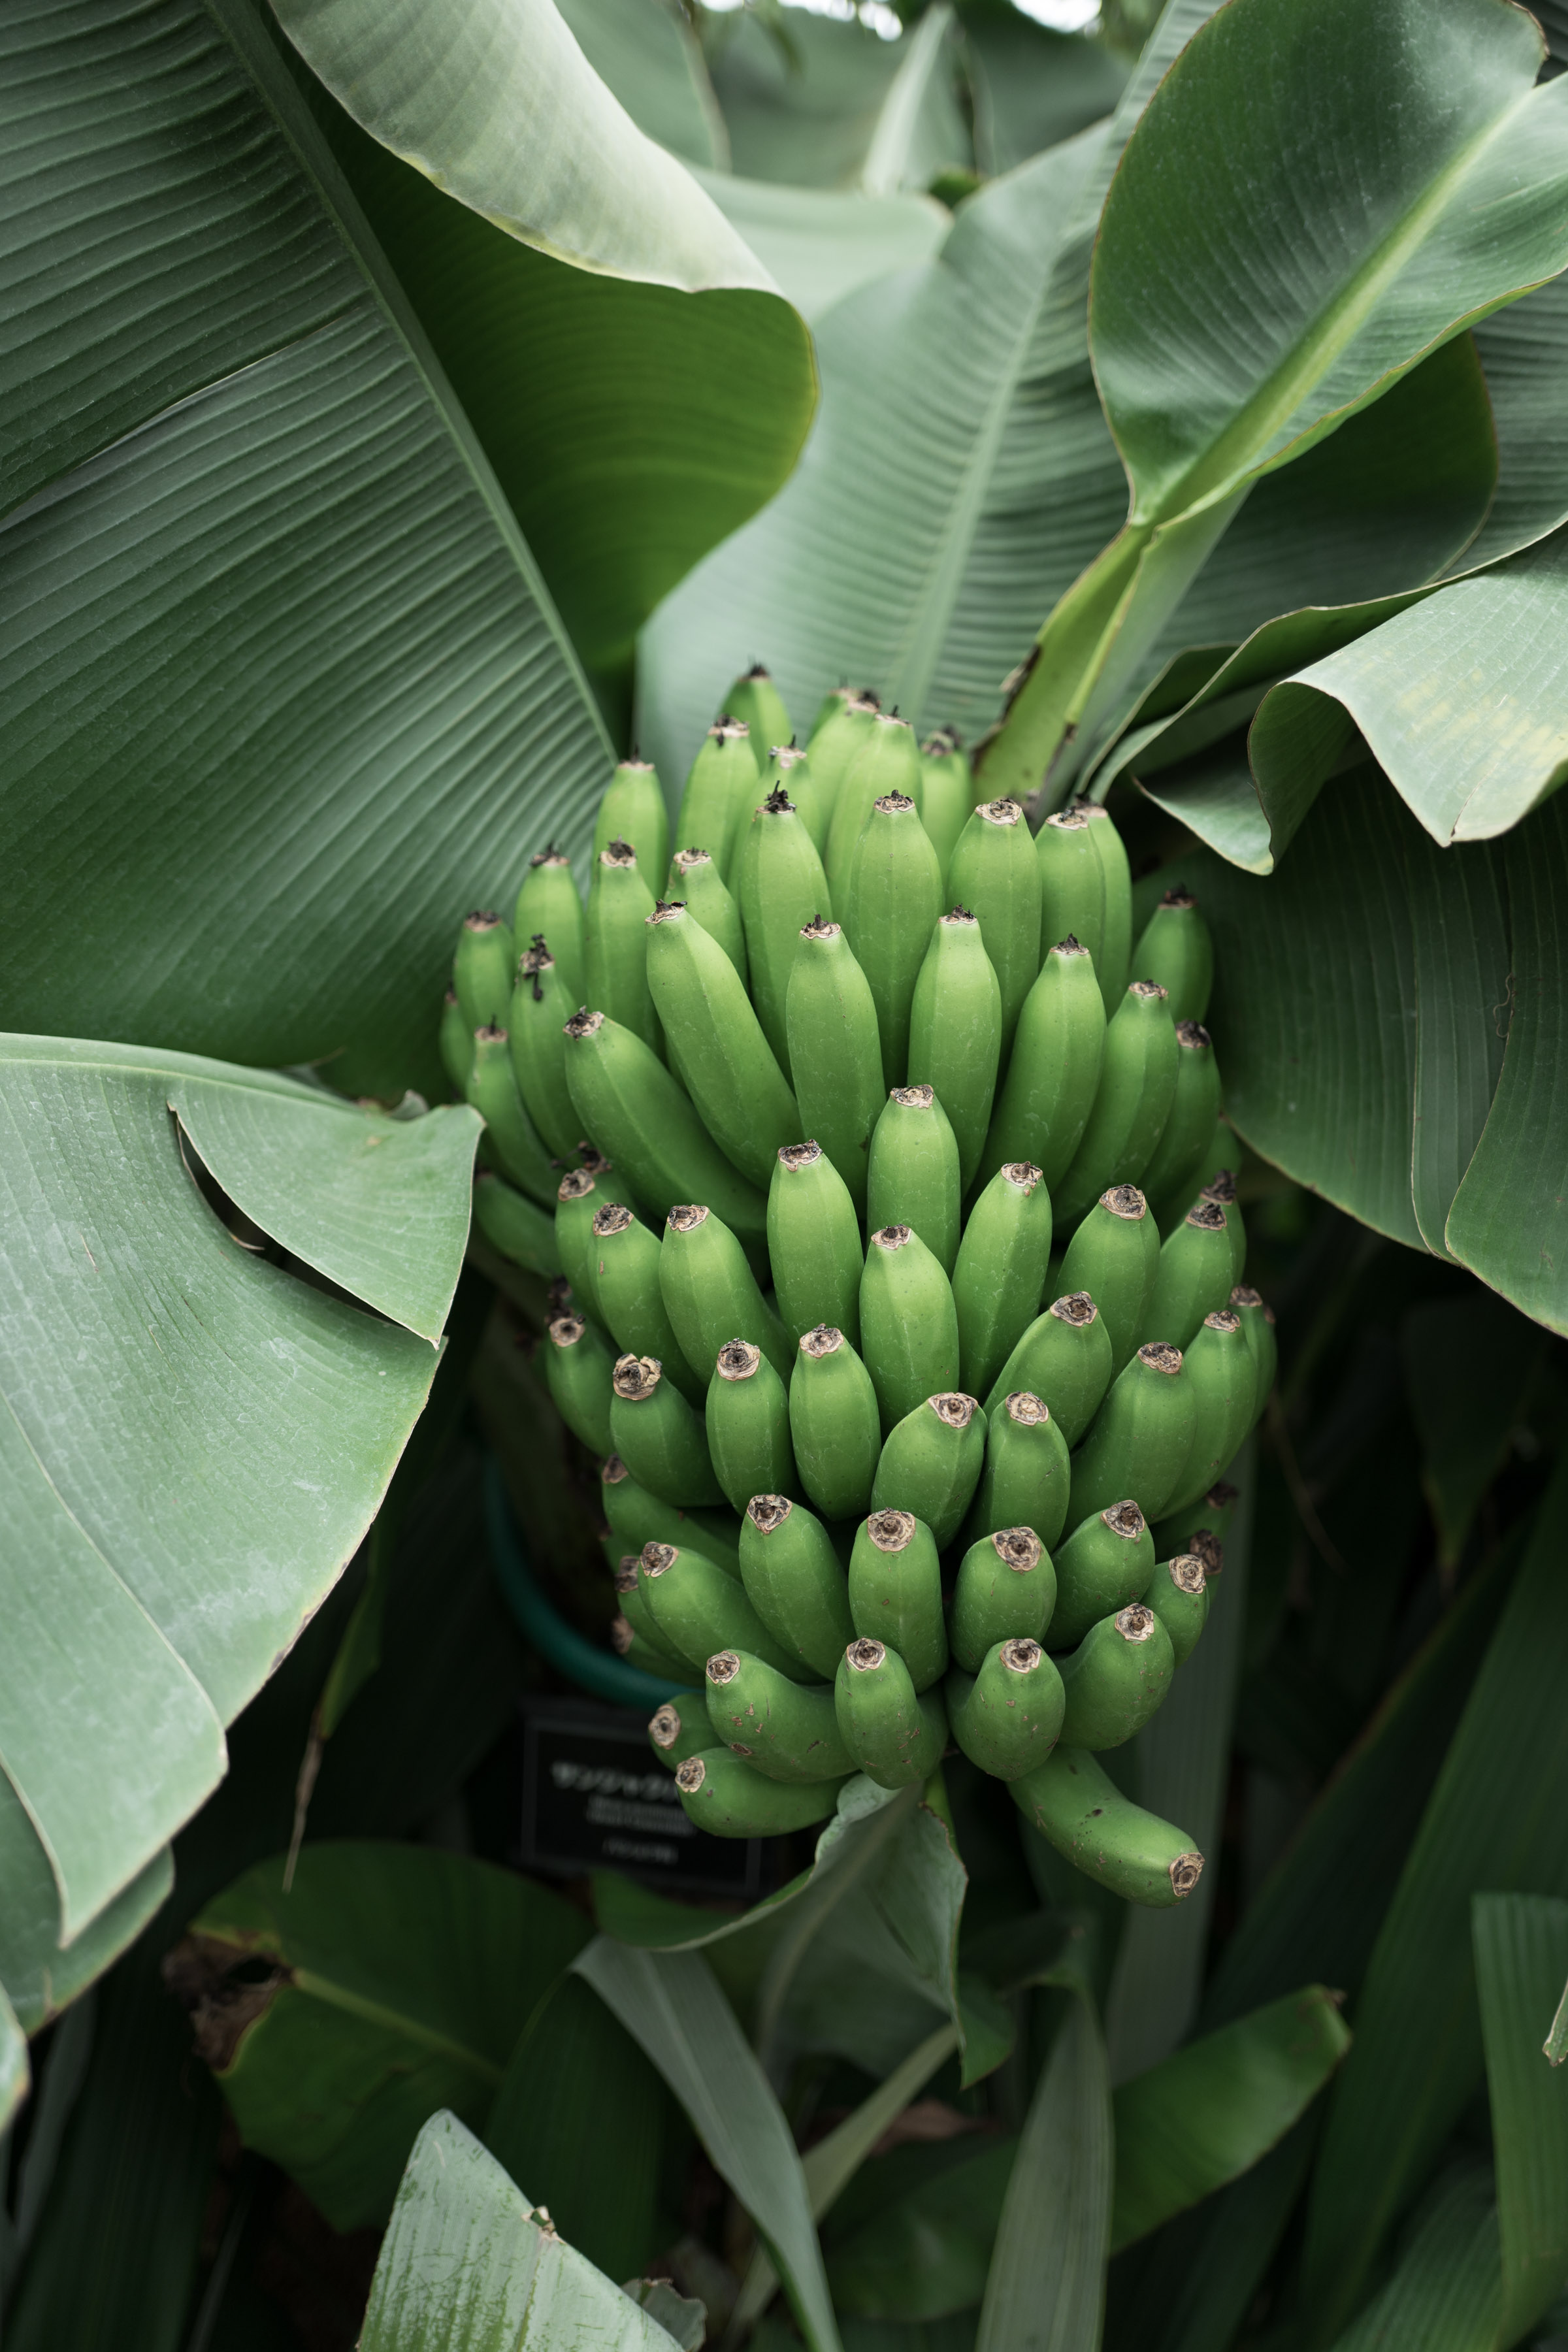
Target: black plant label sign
{"x":594,"y":1797}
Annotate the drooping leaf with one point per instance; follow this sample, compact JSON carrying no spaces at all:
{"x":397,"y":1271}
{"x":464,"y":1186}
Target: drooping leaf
{"x":671,"y":2004}
{"x":287,"y":695}
{"x":387,"y":1981}
{"x":800,"y":98}
{"x":1031,"y":86}
{"x":920,"y":130}
{"x":37,"y":1975}
{"x":822,"y":245}
{"x":467,"y":2266}
{"x":196,"y":1439}
{"x":1468,"y":1363}
{"x":650,"y":57}
{"x":1521,"y":1957}
{"x":1444,"y":2295}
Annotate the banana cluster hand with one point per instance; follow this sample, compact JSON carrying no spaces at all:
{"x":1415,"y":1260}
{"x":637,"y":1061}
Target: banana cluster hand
{"x":884,"y":1166}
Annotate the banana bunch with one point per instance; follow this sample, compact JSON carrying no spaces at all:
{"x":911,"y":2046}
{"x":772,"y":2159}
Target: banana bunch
{"x":902,"y":1298}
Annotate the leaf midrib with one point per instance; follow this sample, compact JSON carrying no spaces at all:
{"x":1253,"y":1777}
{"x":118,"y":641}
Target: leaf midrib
{"x":333,"y":1995}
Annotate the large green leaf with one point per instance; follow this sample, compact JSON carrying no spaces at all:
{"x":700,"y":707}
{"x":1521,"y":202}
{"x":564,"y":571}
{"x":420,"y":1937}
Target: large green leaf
{"x":913,"y":2239}
{"x":286,"y":695}
{"x":1233,"y":202}
{"x":468,"y":2266}
{"x":396,"y":1980}
{"x":1468,"y":1365}
{"x":825,"y":244}
{"x":38,"y":1977}
{"x":1045,"y":2290}
{"x":1031,"y":86}
{"x":1444,"y":2296}
{"x":801,"y":95}
{"x":1521,"y":1956}
{"x":14,"y":2074}
{"x":195,"y":1438}
{"x":650,"y":57}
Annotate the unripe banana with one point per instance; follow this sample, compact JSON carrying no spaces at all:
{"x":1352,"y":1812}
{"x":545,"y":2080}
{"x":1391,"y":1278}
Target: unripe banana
{"x":514,"y":1225}
{"x":813,"y":1244}
{"x":1072,"y":887}
{"x":549,"y":903}
{"x":835,"y":1424}
{"x":1220,"y":1191}
{"x":630,"y":1302}
{"x":697,"y":1609}
{"x":511,"y":1139}
{"x":536,"y":1024}
{"x":658,"y":1437}
{"x":795,"y":1582}
{"x":1115,"y":1257}
{"x":913,"y":1178}
{"x":719,"y":794}
{"x":994,"y":872}
{"x":1179,"y":1598}
{"x":1064,"y":1357}
{"x":1176,"y":949}
{"x":1219,"y":1370}
{"x":637,"y":1614}
{"x":1194,"y":1278}
{"x":639,"y":1115}
{"x":1171,"y":1177}
{"x":579,"y":1196}
{"x":895,"y":1591}
{"x":1006,"y":1717}
{"x":843,"y":725}
{"x":1105,"y":1563}
{"x":482,"y":970}
{"x":456,"y":1044}
{"x":679,"y":1728}
{"x":955,"y":1033}
{"x":725,"y":1796}
{"x":1006,"y":1590}
{"x":1026,"y":1475}
{"x":887,"y":761}
{"x":748,"y":1425}
{"x":781,"y":887}
{"x":619,"y":903}
{"x":946,"y":795}
{"x":629,"y":1645}
{"x":696,"y":883}
{"x":895,"y":1733}
{"x":578,"y":1367}
{"x":835,"y":1051}
{"x":1052,"y":1076}
{"x":1001,"y":1270}
{"x":930,"y":1463}
{"x":757,"y":703}
{"x":1257,"y":1323}
{"x":1132,"y":1103}
{"x":634,"y":809}
{"x":1200,"y":1530}
{"x":1073,"y":1801}
{"x":711,"y":1293}
{"x":788,"y":1730}
{"x":636,"y":1516}
{"x":888,"y":906}
{"x":909,"y":1325}
{"x":1140,"y":1439}
{"x":790,"y":771}
{"x":1116,"y":1678}
{"x":1113,"y":958}
{"x":716,"y":1045}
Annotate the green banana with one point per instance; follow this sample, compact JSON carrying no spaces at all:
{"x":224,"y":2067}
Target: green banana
{"x":1063,"y":1358}
{"x":895,"y":1733}
{"x":913,"y":1176}
{"x":579,"y":1197}
{"x":511,"y":1139}
{"x":1219,"y":1369}
{"x":716,"y":1044}
{"x":620,"y":904}
{"x":719,"y":794}
{"x":955,"y":1033}
{"x":946,"y":795}
{"x":1115,"y":1257}
{"x":679,"y":1728}
{"x":782,"y":888}
{"x":456,"y":1044}
{"x":1072,"y":886}
{"x":1179,"y":1598}
{"x":835,"y":1423}
{"x":834,"y":1052}
{"x":636,"y":1615}
{"x":633,"y":810}
{"x":1175,"y":948}
{"x":843,"y":725}
{"x":1257,"y":1322}
{"x":1132,"y":1103}
{"x":636,"y":1516}
{"x":629,"y":1643}
{"x":727,"y":1797}
{"x":1140,"y":1437}
{"x":790,"y":771}
{"x":888,"y":905}
{"x":994,"y":872}
{"x":1008,"y":1715}
{"x":696,"y":884}
{"x":795,"y":1582}
{"x":536,"y":1022}
{"x":757,"y":703}
{"x":638,"y":1114}
{"x":1106,"y":1562}
{"x":930,"y":1463}
{"x":658,"y":1436}
{"x":578,"y":1368}
{"x":1116,"y":1678}
{"x":1075,"y":1804}
{"x":711,"y":1293}
{"x":1052,"y":1076}
{"x":630,"y":1302}
{"x":895,"y":1591}
{"x":788,"y":1730}
{"x":886,"y":760}
{"x":1194,"y":1278}
{"x":482,"y":970}
{"x":1190,"y":1129}
{"x":1220,"y":1193}
{"x":1006,"y":1590}
{"x":1026,"y":1475}
{"x":909,"y":1325}
{"x":697,"y":1609}
{"x":1113,"y":957}
{"x":549,"y":903}
{"x":1001,"y":1270}
{"x":748,"y":1425}
{"x":813,"y":1244}
{"x":1178,"y":1533}
{"x":514,"y":1225}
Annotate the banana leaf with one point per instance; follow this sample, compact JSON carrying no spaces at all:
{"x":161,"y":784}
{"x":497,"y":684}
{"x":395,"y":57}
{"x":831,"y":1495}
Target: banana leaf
{"x":1047,"y":2282}
{"x":1521,"y":1954}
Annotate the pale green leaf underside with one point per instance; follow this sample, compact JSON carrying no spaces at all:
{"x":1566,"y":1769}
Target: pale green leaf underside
{"x":15,"y":2073}
{"x":650,"y":57}
{"x":823,"y":244}
{"x":40,"y":1977}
